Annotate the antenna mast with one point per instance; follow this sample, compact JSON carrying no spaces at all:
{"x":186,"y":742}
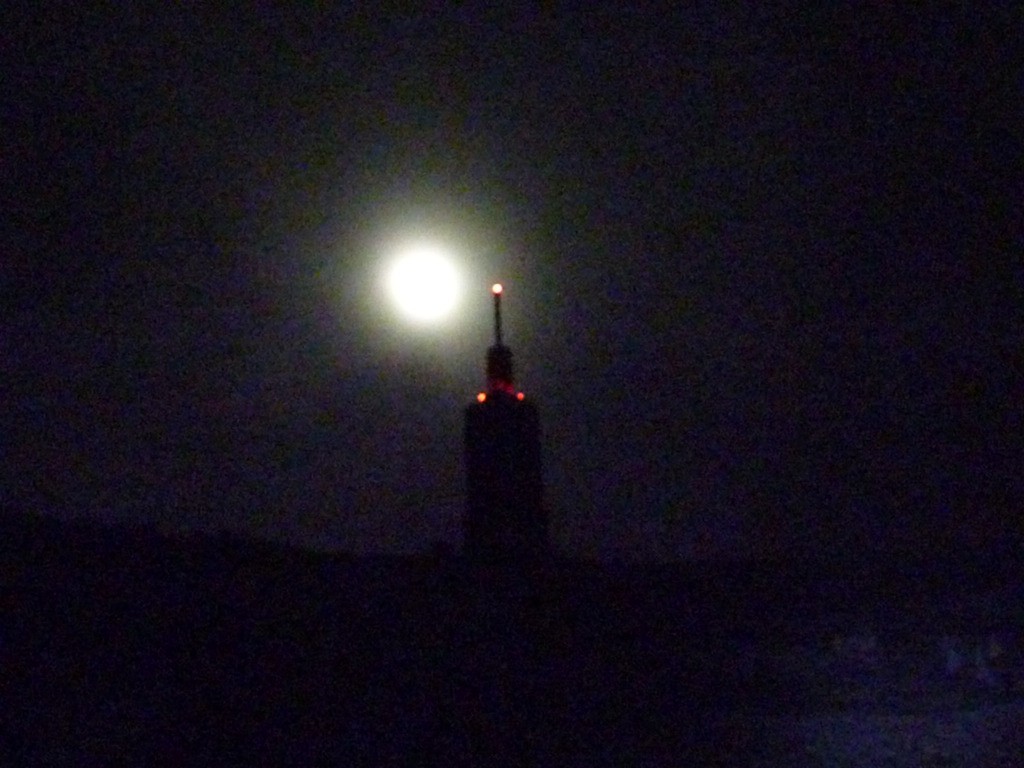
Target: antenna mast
{"x":496,"y":290}
{"x":499,"y":357}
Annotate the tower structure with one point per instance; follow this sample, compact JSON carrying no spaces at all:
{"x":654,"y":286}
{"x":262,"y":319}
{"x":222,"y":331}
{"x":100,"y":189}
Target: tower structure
{"x":504,"y":511}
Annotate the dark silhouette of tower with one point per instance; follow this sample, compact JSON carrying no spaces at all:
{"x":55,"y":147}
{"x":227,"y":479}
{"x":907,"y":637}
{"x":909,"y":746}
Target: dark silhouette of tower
{"x":504,"y":513}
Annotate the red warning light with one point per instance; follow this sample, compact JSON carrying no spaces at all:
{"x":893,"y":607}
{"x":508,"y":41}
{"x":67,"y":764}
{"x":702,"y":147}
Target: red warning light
{"x":520,"y":396}
{"x":481,"y":397}
{"x":496,"y":289}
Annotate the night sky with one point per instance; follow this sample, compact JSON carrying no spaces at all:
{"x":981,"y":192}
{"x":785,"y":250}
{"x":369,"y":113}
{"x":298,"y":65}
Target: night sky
{"x":762,"y":271}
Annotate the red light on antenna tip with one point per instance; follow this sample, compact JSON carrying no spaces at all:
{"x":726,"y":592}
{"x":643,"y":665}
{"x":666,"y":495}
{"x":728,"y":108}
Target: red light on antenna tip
{"x":520,"y":396}
{"x":481,"y":397}
{"x":496,"y":289}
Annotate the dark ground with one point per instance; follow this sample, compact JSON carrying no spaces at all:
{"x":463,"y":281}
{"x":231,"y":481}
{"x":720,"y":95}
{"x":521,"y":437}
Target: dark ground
{"x":121,"y":644}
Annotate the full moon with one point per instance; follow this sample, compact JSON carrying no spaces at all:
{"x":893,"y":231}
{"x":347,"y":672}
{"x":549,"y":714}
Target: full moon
{"x":424,"y":284}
